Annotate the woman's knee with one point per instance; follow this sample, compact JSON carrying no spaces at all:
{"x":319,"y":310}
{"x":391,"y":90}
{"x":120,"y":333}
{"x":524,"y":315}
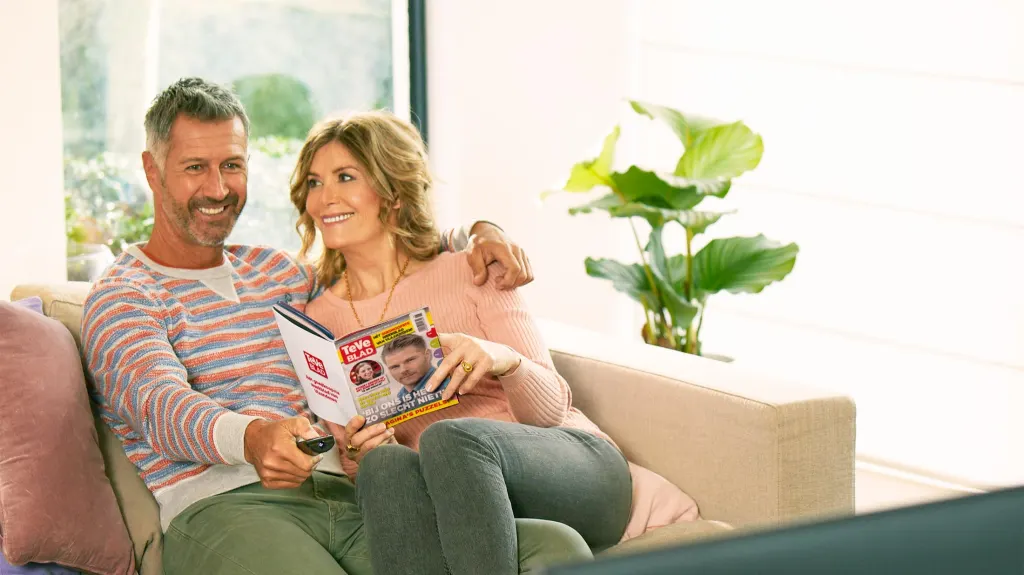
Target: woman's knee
{"x":383,"y":466}
{"x":446,"y":435}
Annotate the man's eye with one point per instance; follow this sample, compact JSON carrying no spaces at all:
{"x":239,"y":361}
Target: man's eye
{"x":233,"y":166}
{"x":194,"y":168}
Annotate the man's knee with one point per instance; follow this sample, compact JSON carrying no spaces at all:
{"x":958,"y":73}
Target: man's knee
{"x":543,"y":543}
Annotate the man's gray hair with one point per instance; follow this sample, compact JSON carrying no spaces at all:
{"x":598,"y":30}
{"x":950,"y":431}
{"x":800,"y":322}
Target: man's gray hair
{"x":195,"y":98}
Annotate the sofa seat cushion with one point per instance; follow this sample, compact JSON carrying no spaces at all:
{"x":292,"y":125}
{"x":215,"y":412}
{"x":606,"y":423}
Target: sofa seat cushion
{"x":56,"y":504}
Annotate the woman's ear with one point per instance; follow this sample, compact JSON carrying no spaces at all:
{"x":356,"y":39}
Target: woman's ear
{"x":398,"y":205}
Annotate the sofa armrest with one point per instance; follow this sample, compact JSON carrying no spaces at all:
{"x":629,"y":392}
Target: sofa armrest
{"x":752,"y":451}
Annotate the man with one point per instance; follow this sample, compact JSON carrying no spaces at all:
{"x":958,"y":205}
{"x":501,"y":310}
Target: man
{"x":408,"y":361}
{"x":190,"y":371}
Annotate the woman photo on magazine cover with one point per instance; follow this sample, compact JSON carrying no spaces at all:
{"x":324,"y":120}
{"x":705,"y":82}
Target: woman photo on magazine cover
{"x":365,"y":372}
{"x":440,"y":493}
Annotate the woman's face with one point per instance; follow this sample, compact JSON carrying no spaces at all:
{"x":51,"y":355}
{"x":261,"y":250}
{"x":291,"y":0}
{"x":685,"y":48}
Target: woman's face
{"x":342,"y":202}
{"x":365,"y":372}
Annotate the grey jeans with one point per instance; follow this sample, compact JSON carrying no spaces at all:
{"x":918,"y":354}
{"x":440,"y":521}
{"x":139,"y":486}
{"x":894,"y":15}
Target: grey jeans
{"x":451,"y":507}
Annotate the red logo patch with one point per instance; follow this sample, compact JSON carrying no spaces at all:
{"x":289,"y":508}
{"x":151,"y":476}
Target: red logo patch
{"x":315,"y":364}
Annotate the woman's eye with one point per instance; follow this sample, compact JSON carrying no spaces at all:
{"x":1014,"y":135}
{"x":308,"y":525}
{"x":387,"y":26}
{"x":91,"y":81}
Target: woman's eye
{"x":344,"y":178}
{"x":310,"y":184}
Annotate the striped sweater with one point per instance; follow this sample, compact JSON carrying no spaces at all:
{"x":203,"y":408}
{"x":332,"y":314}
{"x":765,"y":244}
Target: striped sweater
{"x":181,"y":361}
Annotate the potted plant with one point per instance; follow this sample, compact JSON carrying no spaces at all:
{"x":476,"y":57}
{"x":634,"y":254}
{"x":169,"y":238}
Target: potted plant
{"x":105,"y":209}
{"x":674,"y":288}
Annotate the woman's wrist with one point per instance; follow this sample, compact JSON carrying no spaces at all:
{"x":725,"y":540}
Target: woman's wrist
{"x":511,"y":364}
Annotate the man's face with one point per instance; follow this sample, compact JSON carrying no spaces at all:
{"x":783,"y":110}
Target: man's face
{"x":202,"y":189}
{"x":408,"y":365}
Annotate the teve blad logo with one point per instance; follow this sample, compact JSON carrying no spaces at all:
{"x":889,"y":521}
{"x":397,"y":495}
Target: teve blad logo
{"x":315,"y":364}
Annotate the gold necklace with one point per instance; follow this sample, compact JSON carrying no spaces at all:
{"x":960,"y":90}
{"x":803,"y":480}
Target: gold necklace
{"x":348,"y":294}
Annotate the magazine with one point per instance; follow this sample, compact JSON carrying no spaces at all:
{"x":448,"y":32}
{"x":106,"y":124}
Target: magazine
{"x":379,"y":372}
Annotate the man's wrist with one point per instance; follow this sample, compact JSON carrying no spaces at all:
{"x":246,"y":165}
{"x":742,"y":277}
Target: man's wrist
{"x":251,"y":430}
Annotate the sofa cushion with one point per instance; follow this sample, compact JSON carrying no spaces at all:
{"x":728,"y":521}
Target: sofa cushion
{"x":34,"y":303}
{"x":56,"y":504}
{"x":671,"y":536}
{"x":139,"y":509}
{"x":34,"y":568}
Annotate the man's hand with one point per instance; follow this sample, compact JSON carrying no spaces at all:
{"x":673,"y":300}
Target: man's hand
{"x":270,"y":447}
{"x":488,"y":244}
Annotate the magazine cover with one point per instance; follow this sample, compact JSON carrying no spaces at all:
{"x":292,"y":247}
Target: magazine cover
{"x":388,"y":366}
{"x":379,"y":372}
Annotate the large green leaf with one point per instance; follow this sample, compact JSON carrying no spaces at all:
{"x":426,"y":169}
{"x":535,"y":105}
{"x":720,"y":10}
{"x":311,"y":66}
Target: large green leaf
{"x":676,"y":266}
{"x":629,"y":279}
{"x":721,"y":152}
{"x":642,"y":186}
{"x":590,"y":173}
{"x":698,"y":222}
{"x":656,"y":253}
{"x":742,"y":264}
{"x":685,"y":127}
{"x":695,"y":221}
{"x":605,"y":202}
{"x":671,"y":293}
{"x":681,"y":311}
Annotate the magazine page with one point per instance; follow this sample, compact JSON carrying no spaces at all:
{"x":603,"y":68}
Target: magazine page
{"x":316,"y":364}
{"x":388,"y":365}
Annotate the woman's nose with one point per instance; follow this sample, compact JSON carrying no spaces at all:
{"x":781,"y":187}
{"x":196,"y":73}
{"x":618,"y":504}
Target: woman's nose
{"x":332,"y":194}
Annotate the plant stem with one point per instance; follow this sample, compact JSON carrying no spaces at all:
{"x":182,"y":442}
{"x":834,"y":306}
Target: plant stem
{"x":700,"y":323}
{"x":646,"y":266}
{"x":691,"y":333}
{"x":688,"y":282}
{"x":650,"y":325}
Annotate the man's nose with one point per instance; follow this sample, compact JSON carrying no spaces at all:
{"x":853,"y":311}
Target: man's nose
{"x":216,"y":188}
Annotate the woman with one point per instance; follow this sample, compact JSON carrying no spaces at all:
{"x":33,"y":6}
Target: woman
{"x":364,"y":372}
{"x":439,"y":493}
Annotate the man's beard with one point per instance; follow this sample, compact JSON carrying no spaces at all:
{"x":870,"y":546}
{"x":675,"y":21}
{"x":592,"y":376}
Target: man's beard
{"x":184,"y":218}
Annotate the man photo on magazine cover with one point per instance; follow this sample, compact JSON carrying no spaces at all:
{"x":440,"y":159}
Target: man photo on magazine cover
{"x":408,"y":359}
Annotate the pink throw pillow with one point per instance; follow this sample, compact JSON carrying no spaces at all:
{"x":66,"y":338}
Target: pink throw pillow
{"x":56,"y":504}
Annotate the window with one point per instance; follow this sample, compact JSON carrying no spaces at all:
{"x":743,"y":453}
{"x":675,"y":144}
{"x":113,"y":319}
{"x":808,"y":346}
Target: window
{"x":290,"y":61}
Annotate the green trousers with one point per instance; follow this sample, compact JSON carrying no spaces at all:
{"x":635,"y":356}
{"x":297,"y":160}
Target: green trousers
{"x":315,"y":528}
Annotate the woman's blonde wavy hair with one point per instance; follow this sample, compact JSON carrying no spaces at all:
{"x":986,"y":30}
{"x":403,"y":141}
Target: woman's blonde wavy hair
{"x":392,"y":154}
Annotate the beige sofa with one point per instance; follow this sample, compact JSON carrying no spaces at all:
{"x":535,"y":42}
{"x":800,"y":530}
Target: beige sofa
{"x":753,"y":452}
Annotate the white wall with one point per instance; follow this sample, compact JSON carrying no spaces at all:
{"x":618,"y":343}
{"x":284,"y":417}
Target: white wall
{"x":893,"y":142}
{"x":518,"y":92}
{"x":32,"y":243}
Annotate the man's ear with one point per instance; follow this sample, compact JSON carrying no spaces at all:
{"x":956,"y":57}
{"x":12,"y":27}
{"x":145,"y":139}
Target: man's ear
{"x":152,"y":170}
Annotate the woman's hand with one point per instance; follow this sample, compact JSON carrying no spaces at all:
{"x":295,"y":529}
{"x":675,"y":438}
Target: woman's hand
{"x":360,"y":440}
{"x":482,"y":358}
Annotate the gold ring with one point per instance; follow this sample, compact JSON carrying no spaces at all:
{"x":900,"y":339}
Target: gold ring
{"x":352,"y":451}
{"x":467,"y":367}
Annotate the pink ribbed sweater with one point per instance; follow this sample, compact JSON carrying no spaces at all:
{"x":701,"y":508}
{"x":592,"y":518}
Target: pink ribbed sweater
{"x":533,"y":394}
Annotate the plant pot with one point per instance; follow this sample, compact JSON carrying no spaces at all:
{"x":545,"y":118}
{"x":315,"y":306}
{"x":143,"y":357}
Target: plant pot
{"x":86,"y":262}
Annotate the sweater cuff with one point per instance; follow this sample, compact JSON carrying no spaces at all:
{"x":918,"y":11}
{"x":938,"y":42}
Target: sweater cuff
{"x":229,"y":436}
